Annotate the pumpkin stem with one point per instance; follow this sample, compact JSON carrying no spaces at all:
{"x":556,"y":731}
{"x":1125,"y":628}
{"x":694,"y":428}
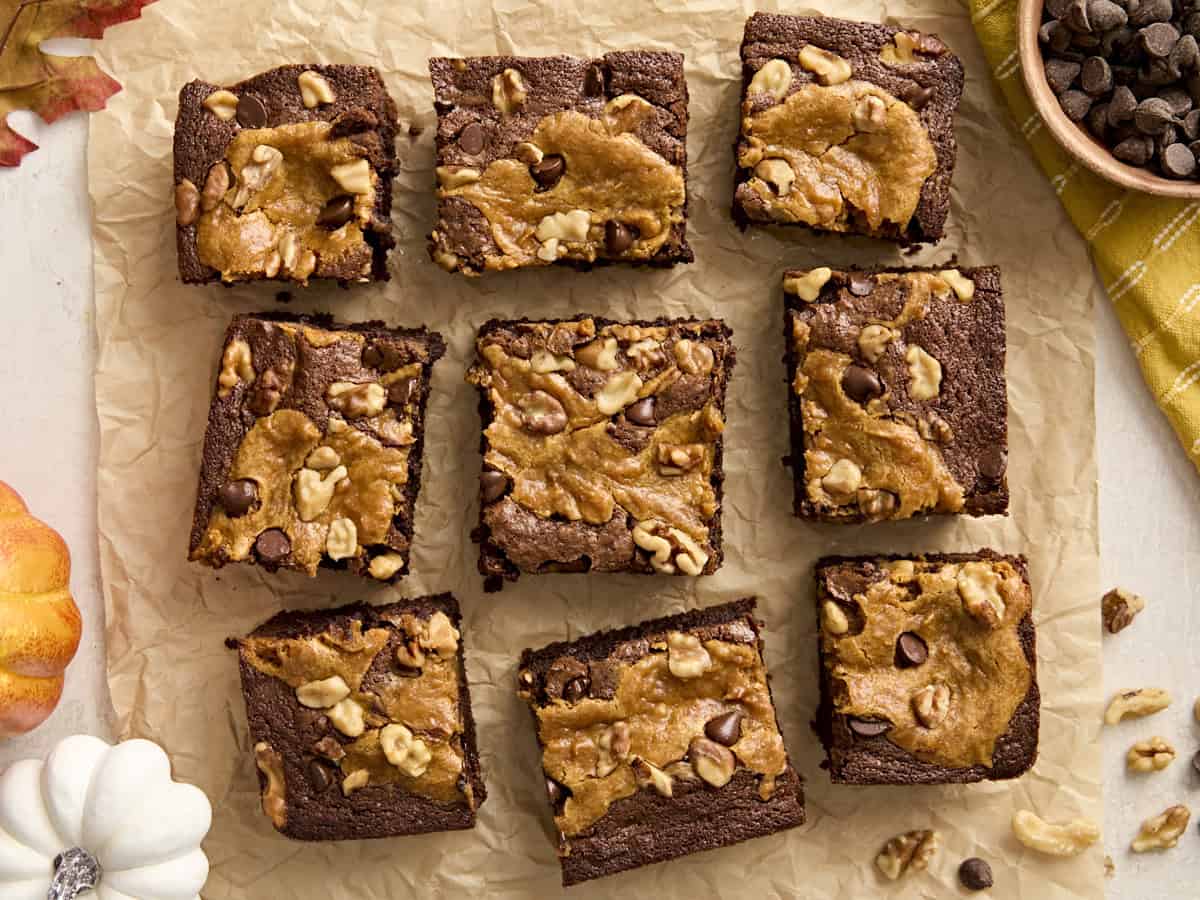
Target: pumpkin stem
{"x":75,"y":871}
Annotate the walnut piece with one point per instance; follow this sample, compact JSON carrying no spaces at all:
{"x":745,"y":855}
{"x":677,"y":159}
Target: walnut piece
{"x":1068,"y":839}
{"x":646,"y":354}
{"x":619,"y":391}
{"x":690,"y":559}
{"x":410,"y":655}
{"x":1151,"y":755}
{"x":774,"y":78}
{"x":342,"y":540}
{"x":911,"y":851}
{"x":355,"y":780}
{"x":222,"y":104}
{"x":355,"y":401}
{"x":451,"y":177}
{"x":257,"y":174}
{"x":323,"y":458}
{"x":828,"y":67}
{"x":187,"y":203}
{"x":568,"y":226}
{"x":1162,"y":832}
{"x":404,"y":750}
{"x":1138,"y":703}
{"x":833,"y":618}
{"x":600,"y":354}
{"x":778,"y":173}
{"x":348,"y":718}
{"x":693,"y":357}
{"x":676,"y":459}
{"x":314,"y":493}
{"x":353,"y":177}
{"x":216,"y":183}
{"x":931,"y":704}
{"x":842,"y":479}
{"x":542,"y":413}
{"x":237,"y":366}
{"x":924,"y":374}
{"x":440,"y":635}
{"x":543,"y":362}
{"x":314,"y":89}
{"x":613,"y":747}
{"x":979,"y":587}
{"x":1118,"y":608}
{"x":808,"y":286}
{"x":323,"y":694}
{"x":873,"y":340}
{"x":963,"y":287}
{"x":508,"y":91}
{"x":686,"y":656}
{"x":530,"y":154}
{"x":870,"y":114}
{"x":648,"y":775}
{"x":713,"y":762}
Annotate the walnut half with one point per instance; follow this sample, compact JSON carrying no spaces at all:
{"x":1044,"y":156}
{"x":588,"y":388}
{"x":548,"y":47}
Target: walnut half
{"x":1069,"y":839}
{"x":1162,"y":832}
{"x":911,"y":851}
{"x":1118,"y":608}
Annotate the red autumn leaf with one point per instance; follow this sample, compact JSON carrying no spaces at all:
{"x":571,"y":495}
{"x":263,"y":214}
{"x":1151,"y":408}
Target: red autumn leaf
{"x":52,"y":86}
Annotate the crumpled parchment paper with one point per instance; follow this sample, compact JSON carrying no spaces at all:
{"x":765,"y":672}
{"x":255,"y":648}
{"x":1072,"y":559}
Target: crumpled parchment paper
{"x":173,"y":681}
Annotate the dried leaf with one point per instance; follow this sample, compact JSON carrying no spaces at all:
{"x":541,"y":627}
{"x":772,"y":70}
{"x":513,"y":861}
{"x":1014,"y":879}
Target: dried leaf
{"x":52,"y":86}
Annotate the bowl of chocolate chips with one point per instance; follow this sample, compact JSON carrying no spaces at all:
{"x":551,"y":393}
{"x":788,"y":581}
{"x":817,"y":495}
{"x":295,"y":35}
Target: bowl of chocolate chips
{"x":1117,"y":83}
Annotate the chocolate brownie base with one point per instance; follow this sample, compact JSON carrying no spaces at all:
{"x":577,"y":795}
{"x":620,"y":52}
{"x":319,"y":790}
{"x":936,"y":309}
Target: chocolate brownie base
{"x":316,"y":809}
{"x":313,"y":370}
{"x":968,"y":338}
{"x":361,"y":110}
{"x":475,"y":135}
{"x":515,"y":539}
{"x":931,"y":83}
{"x":647,"y":827}
{"x":854,"y":758}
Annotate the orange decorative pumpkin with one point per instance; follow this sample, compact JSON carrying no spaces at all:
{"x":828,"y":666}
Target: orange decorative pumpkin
{"x":39,"y":621}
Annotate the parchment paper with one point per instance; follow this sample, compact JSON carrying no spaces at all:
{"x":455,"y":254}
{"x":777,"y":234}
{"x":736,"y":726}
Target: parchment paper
{"x":172,"y":680}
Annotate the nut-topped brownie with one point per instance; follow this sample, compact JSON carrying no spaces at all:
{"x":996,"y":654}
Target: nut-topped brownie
{"x":312,"y":455}
{"x":601,"y":446}
{"x":659,"y":740}
{"x":896,"y":392}
{"x":928,"y":668}
{"x":846,"y":127}
{"x":560,"y":160}
{"x":361,"y":720}
{"x":286,"y":176}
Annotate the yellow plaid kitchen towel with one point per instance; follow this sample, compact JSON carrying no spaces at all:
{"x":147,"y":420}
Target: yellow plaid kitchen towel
{"x":1146,"y":249}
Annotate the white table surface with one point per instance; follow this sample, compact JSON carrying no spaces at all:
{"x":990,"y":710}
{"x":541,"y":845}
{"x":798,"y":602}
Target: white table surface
{"x":1149,"y":499}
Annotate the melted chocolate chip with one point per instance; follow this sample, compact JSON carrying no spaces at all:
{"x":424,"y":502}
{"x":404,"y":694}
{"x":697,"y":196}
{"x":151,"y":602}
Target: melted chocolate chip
{"x":272,"y":546}
{"x":975,"y":874}
{"x":320,"y":776}
{"x":576,"y":689}
{"x":372,"y":357}
{"x":237,"y":497}
{"x":993,"y":462}
{"x":470,"y":139}
{"x":555,"y":791}
{"x":910,"y":650}
{"x":593,"y":81}
{"x":868,"y":727}
{"x":916,"y":96}
{"x":641,"y":413}
{"x":618,"y":237}
{"x":492,"y":485}
{"x":337,"y":212}
{"x":547,"y":172}
{"x":403,"y":391}
{"x":250,"y":112}
{"x":725,"y":729}
{"x":861,"y":384}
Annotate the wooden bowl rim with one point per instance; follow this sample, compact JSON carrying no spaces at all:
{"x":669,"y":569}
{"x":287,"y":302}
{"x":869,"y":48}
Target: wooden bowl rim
{"x":1074,"y":139}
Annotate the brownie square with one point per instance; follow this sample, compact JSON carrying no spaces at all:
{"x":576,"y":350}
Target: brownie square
{"x":312,"y":456}
{"x":602,"y":448}
{"x":659,"y":740}
{"x":560,"y":161}
{"x":896,"y":392}
{"x":846,"y":127}
{"x":286,"y":176}
{"x":361,"y":720}
{"x":928,"y":668}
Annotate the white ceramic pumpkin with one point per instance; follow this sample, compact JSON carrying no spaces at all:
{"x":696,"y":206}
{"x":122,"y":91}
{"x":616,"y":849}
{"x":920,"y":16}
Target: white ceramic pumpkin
{"x":123,"y":828}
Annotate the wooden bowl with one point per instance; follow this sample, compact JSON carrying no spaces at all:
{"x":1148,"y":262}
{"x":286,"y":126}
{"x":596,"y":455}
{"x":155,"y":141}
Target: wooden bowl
{"x":1073,"y":138}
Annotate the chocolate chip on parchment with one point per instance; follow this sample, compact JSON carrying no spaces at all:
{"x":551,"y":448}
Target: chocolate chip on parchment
{"x":1061,"y":74}
{"x":470,"y":139}
{"x":642,"y":412}
{"x":975,"y":874}
{"x":1178,"y":161}
{"x":618,"y":237}
{"x":492,"y":485}
{"x":911,"y":650}
{"x":337,"y":212}
{"x":861,"y":384}
{"x":1075,"y":104}
{"x":237,"y":497}
{"x":250,"y":112}
{"x":916,"y":96}
{"x":725,"y":729}
{"x":868,"y":727}
{"x":1095,"y":76}
{"x":272,"y":546}
{"x":548,"y":171}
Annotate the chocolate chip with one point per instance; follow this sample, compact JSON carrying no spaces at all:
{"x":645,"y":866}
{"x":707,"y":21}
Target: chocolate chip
{"x":576,"y":689}
{"x":861,"y":285}
{"x":471,"y":139}
{"x":593,"y":81}
{"x":237,"y":497}
{"x":641,"y":413}
{"x":492,"y":485}
{"x":403,"y":391}
{"x":1095,"y":76}
{"x":1159,"y":39}
{"x":975,"y":874}
{"x":1169,"y":136}
{"x":868,"y":727}
{"x":1106,"y":15}
{"x":319,"y":776}
{"x":1134,"y":150}
{"x":1121,"y":106}
{"x":1077,"y":16}
{"x":547,"y":172}
{"x":725,"y":729}
{"x":992,"y":462}
{"x":272,"y":546}
{"x":1097,"y":120}
{"x":555,"y":791}
{"x":1191,"y":125}
{"x":916,"y":96}
{"x":1061,"y":74}
{"x":861,"y":384}
{"x":337,"y":212}
{"x":1178,"y":99}
{"x":1196,"y":762}
{"x":1058,"y":8}
{"x":1152,"y":116}
{"x":250,"y":112}
{"x":1075,"y":104}
{"x":1186,"y":54}
{"x":910,"y":650}
{"x":618,"y":237}
{"x":1191,"y":24}
{"x":1149,"y":11}
{"x":372,"y":357}
{"x":1055,"y":35}
{"x":1178,"y":161}
{"x":1088,"y":42}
